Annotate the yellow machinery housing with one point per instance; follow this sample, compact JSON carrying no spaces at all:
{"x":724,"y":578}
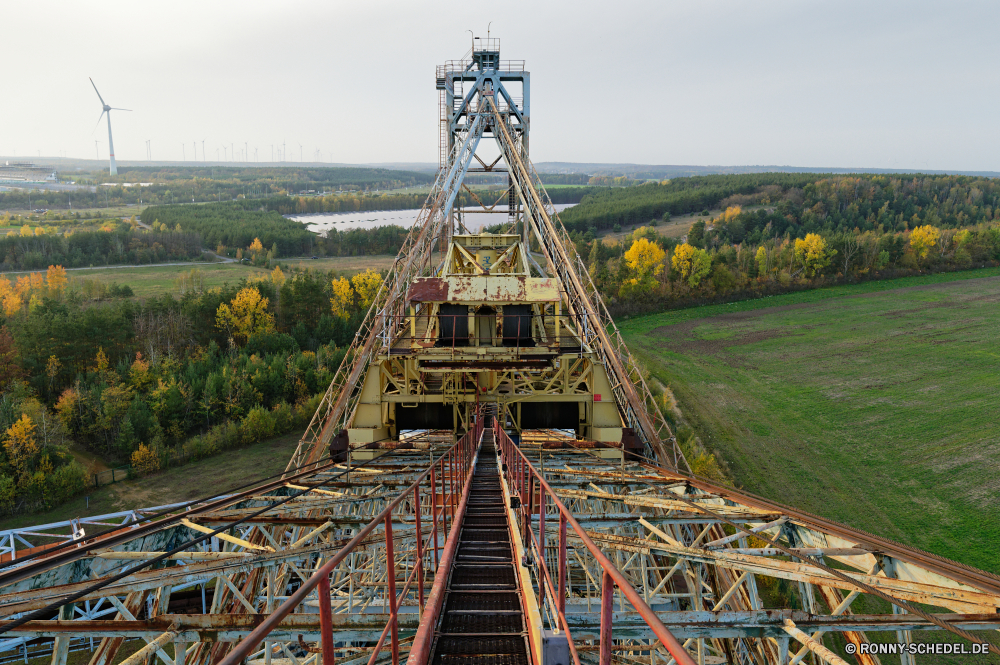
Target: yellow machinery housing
{"x":485,"y":331}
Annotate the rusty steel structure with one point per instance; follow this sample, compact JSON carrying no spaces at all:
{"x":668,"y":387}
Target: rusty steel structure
{"x":488,"y":479}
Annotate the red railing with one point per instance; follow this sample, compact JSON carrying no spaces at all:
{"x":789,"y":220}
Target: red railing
{"x":524,"y":481}
{"x":454,"y":468}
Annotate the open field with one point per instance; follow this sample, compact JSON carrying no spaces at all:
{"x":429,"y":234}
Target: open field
{"x":873,"y":404}
{"x":676,"y":228}
{"x":348,"y":265}
{"x":218,"y":473}
{"x":154,"y":280}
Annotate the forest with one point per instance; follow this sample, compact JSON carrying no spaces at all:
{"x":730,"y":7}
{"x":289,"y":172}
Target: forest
{"x":236,"y":225}
{"x":798,"y":202}
{"x":118,"y":243}
{"x":776,"y":236}
{"x":162,"y":381}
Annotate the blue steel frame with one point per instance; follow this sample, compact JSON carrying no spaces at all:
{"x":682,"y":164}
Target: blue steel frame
{"x":487,"y":77}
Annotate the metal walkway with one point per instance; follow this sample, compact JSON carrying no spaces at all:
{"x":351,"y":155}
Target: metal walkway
{"x":483,"y":622}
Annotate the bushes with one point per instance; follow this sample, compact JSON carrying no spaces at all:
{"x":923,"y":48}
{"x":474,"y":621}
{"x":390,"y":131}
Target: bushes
{"x":259,"y":424}
{"x":67,"y":481}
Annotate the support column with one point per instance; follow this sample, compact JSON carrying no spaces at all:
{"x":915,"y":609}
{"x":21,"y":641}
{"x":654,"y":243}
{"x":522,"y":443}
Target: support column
{"x":61,"y":646}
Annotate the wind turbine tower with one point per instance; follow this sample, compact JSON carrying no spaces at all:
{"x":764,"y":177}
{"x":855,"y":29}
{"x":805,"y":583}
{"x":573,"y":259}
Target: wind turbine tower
{"x":108,"y":109}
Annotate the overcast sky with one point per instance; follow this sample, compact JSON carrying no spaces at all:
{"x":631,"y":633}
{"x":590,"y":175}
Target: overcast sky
{"x":909,"y":85}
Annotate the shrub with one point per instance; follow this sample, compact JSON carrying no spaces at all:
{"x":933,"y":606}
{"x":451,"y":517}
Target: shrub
{"x":67,"y":481}
{"x":257,"y":425}
{"x":284,"y":417}
{"x":145,"y":460}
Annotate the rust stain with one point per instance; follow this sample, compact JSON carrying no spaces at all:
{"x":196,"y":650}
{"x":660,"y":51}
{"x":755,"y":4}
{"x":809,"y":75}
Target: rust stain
{"x":428,"y":289}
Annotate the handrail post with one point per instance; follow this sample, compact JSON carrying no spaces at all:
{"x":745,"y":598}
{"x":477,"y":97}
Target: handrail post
{"x":528,"y":510}
{"x":607,"y":605}
{"x":325,"y":619}
{"x":420,"y":548}
{"x":434,"y":516}
{"x":542,"y":500}
{"x":561,"y":601}
{"x":390,"y":576}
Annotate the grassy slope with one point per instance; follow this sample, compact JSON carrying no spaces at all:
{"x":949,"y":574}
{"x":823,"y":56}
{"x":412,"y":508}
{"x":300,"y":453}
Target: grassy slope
{"x":195,"y":480}
{"x":873,"y":404}
{"x":156,"y":280}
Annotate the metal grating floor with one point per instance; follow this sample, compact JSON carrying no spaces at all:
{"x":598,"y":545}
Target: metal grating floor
{"x":482,"y":622}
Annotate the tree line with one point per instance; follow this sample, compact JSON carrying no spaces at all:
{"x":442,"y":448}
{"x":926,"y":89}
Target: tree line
{"x":208,"y":183}
{"x":798,"y":203}
{"x":234,"y":225}
{"x":117,"y":244}
{"x":647,"y":272}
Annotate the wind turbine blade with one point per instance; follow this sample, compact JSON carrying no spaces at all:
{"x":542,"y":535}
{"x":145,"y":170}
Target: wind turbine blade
{"x":118,"y":109}
{"x":98,"y":94}
{"x":98,"y":122}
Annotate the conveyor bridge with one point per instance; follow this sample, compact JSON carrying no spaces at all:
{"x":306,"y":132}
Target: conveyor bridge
{"x":488,"y":479}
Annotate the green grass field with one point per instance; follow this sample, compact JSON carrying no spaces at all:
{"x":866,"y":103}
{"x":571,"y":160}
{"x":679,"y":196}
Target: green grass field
{"x":155,"y":280}
{"x":347,"y":265}
{"x":874,"y":404}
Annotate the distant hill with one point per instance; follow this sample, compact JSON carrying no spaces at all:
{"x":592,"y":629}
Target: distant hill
{"x":652,"y":171}
{"x":641,"y":171}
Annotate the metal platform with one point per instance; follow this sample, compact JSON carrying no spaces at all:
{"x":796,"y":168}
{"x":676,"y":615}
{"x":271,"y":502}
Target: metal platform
{"x":482,"y":622}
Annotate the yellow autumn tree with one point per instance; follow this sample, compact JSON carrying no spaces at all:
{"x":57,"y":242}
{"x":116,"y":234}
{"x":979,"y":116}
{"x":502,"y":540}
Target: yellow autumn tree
{"x":691,"y":263}
{"x":26,"y":231}
{"x":340,"y":301}
{"x":812,"y":253}
{"x":761,"y":260}
{"x":277,"y":276}
{"x":145,"y":460}
{"x":101,"y":362}
{"x":21,"y":446}
{"x":366,"y":284}
{"x":245,"y":315}
{"x":731,"y":212}
{"x":56,"y":279}
{"x":10,"y":300}
{"x":645,"y":259}
{"x":923,"y":239}
{"x":256,"y":247}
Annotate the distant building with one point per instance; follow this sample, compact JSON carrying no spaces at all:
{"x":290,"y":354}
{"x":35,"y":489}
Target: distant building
{"x":25,"y":173}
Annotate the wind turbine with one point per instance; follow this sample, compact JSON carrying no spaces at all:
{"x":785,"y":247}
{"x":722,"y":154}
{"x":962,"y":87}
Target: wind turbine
{"x":108,"y":109}
{"x":203,"y":150}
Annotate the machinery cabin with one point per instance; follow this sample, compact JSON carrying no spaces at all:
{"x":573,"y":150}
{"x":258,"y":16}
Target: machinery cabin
{"x":485,"y":331}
